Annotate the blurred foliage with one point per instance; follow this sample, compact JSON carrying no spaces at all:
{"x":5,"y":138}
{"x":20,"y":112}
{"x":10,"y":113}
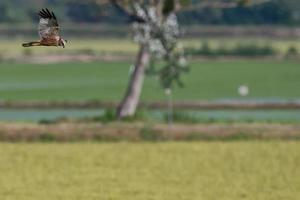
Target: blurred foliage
{"x":271,"y":12}
{"x":91,"y":11}
{"x":244,"y":50}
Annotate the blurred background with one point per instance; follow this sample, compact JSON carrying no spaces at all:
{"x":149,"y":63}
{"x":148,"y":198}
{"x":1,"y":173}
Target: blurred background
{"x":218,"y":116}
{"x":243,"y":63}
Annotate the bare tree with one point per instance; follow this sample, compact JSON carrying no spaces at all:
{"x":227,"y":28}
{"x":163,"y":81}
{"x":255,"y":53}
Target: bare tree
{"x":155,"y":28}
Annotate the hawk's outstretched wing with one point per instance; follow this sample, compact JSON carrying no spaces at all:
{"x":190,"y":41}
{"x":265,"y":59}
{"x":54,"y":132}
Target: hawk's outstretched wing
{"x":48,"y":26}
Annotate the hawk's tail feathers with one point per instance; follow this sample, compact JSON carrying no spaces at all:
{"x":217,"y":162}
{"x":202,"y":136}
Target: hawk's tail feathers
{"x":30,"y":44}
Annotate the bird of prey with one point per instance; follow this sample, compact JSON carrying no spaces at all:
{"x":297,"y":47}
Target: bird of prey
{"x":48,"y":31}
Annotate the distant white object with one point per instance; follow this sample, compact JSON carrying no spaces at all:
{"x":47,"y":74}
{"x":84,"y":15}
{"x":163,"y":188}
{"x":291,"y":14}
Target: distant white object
{"x":182,"y":61}
{"x":243,"y":90}
{"x":131,"y":69}
{"x":168,"y":91}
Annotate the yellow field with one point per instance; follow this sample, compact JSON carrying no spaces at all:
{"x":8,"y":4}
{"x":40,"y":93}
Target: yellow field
{"x":160,"y":171}
{"x":127,"y":46}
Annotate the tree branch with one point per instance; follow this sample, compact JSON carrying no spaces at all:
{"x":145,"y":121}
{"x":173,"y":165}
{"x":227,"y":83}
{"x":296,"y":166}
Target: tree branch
{"x":123,"y":9}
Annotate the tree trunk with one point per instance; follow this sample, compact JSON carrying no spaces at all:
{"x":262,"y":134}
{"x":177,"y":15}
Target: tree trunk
{"x":131,"y":99}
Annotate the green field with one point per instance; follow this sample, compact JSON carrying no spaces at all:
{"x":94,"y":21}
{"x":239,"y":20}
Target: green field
{"x":162,"y":171}
{"x":209,"y":80}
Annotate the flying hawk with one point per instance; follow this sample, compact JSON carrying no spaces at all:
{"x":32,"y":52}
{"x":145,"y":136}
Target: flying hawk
{"x":48,"y":31}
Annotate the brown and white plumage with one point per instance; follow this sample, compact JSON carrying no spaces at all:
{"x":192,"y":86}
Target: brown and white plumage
{"x":48,"y":30}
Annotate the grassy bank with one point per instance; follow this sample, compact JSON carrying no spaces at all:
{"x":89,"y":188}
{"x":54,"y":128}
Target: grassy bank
{"x":175,"y":171}
{"x":138,"y":131}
